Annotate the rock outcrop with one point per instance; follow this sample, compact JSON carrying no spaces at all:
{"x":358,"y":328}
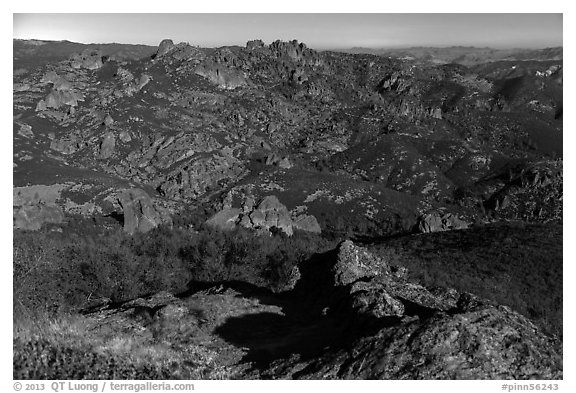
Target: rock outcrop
{"x":107,"y":146}
{"x":69,"y":145}
{"x":254,"y":44}
{"x":482,"y":342}
{"x":91,"y":60}
{"x":223,"y":76}
{"x":140,"y":214}
{"x":306,"y":223}
{"x":164,"y":47}
{"x":436,"y":222}
{"x":269,"y":213}
{"x":33,"y":217}
{"x":419,"y":333}
{"x":34,"y":206}
{"x":225,"y":219}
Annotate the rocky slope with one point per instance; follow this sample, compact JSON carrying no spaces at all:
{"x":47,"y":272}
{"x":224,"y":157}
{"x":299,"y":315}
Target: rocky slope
{"x":386,"y":139}
{"x":283,"y":141}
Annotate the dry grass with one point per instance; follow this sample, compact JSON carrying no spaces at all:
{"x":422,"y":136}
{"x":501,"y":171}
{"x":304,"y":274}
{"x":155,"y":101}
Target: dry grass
{"x":74,"y":347}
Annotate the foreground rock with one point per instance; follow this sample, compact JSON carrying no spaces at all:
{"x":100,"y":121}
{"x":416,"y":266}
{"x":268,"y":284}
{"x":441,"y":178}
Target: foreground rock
{"x":406,"y":331}
{"x":140,"y":214}
{"x":482,"y":342}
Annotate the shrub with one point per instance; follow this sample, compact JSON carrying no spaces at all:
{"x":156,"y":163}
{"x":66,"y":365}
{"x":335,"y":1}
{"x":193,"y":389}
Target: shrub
{"x":56,"y":272}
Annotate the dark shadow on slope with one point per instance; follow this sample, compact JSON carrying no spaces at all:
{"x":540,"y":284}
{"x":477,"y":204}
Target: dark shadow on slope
{"x":316,"y":316}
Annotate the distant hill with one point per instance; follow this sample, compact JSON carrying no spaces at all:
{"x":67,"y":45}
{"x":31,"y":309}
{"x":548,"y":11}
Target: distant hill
{"x":464,"y":55}
{"x":39,"y":51}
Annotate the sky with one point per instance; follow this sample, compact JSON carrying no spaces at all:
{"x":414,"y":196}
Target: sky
{"x":319,"y":31}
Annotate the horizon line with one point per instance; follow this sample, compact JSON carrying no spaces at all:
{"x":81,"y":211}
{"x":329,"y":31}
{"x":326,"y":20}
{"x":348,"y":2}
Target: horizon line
{"x":326,"y":48}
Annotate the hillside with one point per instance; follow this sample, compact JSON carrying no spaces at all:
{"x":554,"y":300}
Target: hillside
{"x":465,"y":55}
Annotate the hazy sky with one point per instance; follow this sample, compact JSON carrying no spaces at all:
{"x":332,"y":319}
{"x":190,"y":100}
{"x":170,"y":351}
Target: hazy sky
{"x":316,"y":30}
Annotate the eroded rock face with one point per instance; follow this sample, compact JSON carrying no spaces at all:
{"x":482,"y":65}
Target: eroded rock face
{"x":140,"y":214}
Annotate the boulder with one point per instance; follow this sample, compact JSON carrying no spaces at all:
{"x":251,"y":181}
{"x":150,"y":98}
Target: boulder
{"x":108,"y":120}
{"x":379,"y":290}
{"x":164,"y":47}
{"x":355,"y":263}
{"x":38,"y":194}
{"x":306,"y":223}
{"x":267,"y":214}
{"x":225,"y":219}
{"x":66,"y":146}
{"x":58,"y":98}
{"x":254,"y":44}
{"x":89,"y":59}
{"x":26,"y":131}
{"x":436,"y":222}
{"x":271,"y":213}
{"x":125,"y":136}
{"x":275,"y":159}
{"x":33,"y":217}
{"x":140,"y":214}
{"x":107,"y":146}
{"x":225,"y":77}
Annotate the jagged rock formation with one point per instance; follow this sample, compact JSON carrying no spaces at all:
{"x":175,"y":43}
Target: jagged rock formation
{"x":140,"y":214}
